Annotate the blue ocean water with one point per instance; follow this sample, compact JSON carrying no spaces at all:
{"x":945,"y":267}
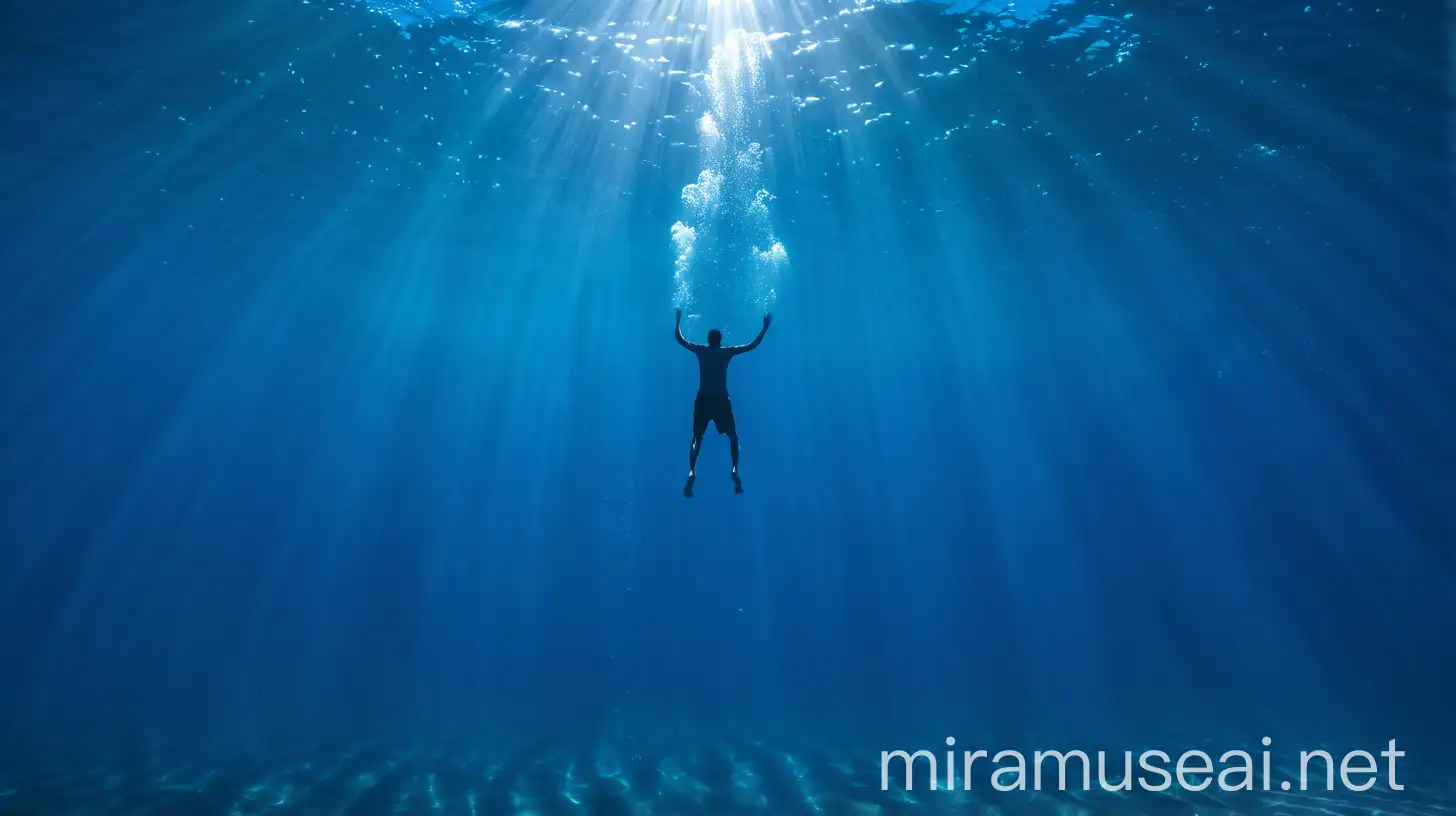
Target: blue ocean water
{"x":1107,"y":402}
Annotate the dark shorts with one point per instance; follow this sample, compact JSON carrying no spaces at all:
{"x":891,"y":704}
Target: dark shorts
{"x":717,"y":409}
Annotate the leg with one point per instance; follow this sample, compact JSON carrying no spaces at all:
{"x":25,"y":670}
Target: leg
{"x":700,"y":427}
{"x":693,"y":465}
{"x":693,"y":454}
{"x":733,"y":449}
{"x":729,"y":427}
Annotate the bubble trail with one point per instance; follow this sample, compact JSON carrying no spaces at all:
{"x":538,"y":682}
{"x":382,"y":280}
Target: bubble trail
{"x":725,"y":241}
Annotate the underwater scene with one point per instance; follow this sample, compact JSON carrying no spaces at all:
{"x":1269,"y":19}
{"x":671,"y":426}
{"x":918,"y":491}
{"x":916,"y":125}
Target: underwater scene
{"x":374,"y":438}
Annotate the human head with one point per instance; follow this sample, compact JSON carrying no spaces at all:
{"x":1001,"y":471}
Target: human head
{"x":715,"y":338}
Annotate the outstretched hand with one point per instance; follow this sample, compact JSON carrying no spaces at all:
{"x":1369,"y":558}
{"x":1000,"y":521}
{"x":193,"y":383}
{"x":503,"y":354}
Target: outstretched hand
{"x":767,"y":319}
{"x":679,"y":315}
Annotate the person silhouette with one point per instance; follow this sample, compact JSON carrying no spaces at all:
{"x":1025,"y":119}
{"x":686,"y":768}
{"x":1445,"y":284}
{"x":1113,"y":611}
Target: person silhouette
{"x":713,"y":403}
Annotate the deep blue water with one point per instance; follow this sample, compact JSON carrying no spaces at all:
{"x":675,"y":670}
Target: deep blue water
{"x":1107,"y":403}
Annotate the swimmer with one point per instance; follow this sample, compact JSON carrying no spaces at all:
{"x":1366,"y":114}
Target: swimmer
{"x":712,"y":403}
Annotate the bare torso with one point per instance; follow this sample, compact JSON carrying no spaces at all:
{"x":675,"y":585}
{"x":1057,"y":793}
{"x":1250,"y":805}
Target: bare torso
{"x":713,"y":369}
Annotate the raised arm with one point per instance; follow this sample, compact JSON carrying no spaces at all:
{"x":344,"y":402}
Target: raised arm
{"x":677,"y":332}
{"x":768,"y":318}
